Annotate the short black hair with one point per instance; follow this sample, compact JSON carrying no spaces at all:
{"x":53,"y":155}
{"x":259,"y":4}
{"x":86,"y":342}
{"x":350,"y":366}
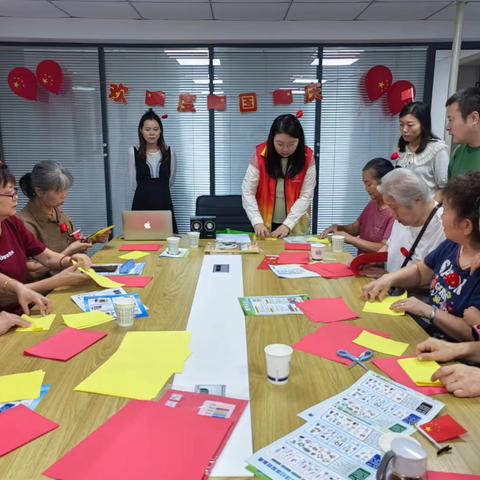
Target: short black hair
{"x":468,"y":101}
{"x":379,"y":166}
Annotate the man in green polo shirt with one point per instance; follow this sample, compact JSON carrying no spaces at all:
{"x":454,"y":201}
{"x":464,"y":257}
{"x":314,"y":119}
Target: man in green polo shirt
{"x":463,"y":113}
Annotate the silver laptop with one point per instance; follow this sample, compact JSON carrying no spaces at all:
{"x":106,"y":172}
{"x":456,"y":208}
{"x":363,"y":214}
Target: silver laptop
{"x":147,"y":224}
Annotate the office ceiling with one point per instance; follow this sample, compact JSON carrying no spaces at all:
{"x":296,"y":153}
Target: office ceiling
{"x":240,"y":10}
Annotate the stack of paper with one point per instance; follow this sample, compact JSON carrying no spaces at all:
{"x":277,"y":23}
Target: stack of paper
{"x":86,"y":319}
{"x":327,"y":310}
{"x":331,"y":270}
{"x":421,"y":371}
{"x":141,"y":366}
{"x":141,"y":247}
{"x":21,"y":386}
{"x":135,"y":255}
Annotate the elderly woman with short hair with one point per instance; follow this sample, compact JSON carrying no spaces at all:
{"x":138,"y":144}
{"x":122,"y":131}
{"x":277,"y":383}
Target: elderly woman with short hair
{"x":453,"y":289}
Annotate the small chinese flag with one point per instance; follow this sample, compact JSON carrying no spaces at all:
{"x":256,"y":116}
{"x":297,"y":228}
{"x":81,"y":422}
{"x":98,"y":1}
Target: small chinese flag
{"x":217,"y":102}
{"x":186,"y":102}
{"x":313,"y":91}
{"x":443,"y":428}
{"x":155,"y":99}
{"x":282,"y":97}
{"x":407,"y":96}
{"x":247,"y":102}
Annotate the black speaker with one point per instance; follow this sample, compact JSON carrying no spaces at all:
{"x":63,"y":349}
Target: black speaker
{"x":206,"y":225}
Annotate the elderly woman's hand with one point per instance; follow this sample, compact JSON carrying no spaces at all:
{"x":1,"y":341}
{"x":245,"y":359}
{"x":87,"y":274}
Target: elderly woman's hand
{"x":413,"y":305}
{"x":378,"y":289}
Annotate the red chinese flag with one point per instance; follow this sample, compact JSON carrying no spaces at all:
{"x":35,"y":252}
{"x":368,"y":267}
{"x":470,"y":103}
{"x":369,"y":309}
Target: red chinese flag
{"x":186,"y":102}
{"x":217,"y":102}
{"x":407,"y":96}
{"x":155,"y":99}
{"x":247,"y":102}
{"x":443,"y":428}
{"x":282,"y":97}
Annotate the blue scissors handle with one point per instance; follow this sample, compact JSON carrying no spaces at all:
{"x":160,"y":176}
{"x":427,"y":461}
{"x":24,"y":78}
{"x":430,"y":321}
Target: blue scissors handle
{"x":366,"y":355}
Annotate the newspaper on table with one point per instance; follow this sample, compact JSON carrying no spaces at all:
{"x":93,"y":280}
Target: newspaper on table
{"x":340,"y":439}
{"x":292,"y":271}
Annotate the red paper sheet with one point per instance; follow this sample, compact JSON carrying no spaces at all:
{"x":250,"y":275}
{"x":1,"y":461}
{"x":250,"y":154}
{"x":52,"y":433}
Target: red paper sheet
{"x":327,"y":310}
{"x":287,"y":258}
{"x":152,"y":440}
{"x":450,"y":476}
{"x":367,"y":259}
{"x":391,"y":367}
{"x":443,"y":429}
{"x":268,"y":260}
{"x":330,"y":270}
{"x":19,"y":426}
{"x":65,"y":344}
{"x":328,"y":339}
{"x":141,"y":247}
{"x":132,"y":281}
{"x":297,"y":246}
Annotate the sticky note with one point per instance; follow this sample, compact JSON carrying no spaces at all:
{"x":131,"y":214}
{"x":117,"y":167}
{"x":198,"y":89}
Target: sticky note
{"x":39,"y":323}
{"x":21,"y":386}
{"x":135,"y":255}
{"x":100,"y":280}
{"x":380,"y":344}
{"x":86,"y":319}
{"x":383,"y":307}
{"x":420,"y":371}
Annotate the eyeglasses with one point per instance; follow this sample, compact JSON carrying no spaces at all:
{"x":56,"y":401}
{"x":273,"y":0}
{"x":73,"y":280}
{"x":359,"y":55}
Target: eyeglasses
{"x":11,"y":195}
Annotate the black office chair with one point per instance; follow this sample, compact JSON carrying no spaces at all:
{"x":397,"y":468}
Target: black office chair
{"x":228,"y":210}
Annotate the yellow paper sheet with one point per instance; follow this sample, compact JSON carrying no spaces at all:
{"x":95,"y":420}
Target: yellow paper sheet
{"x":21,"y":386}
{"x":39,"y":323}
{"x":100,"y":280}
{"x":420,"y":371}
{"x":141,"y":366}
{"x":383,"y":307}
{"x":381,"y":344}
{"x":86,"y":319}
{"x":313,"y":239}
{"x":135,"y":255}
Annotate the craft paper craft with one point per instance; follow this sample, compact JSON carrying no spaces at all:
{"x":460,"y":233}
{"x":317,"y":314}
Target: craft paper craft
{"x":268,"y":260}
{"x":21,"y":386}
{"x":330,"y":270}
{"x":168,"y":439}
{"x":420,"y":371}
{"x":86,"y":319}
{"x":450,"y":476}
{"x":141,"y":247}
{"x":367,"y":259}
{"x":65,"y":344}
{"x":381,"y":344}
{"x":327,"y":310}
{"x":31,"y":404}
{"x":133,"y":282}
{"x":297,"y":246}
{"x":19,"y":426}
{"x":39,"y":323}
{"x":290,"y":258}
{"x":100,"y":280}
{"x":135,"y":255}
{"x":141,"y":366}
{"x":391,"y":367}
{"x":443,"y":429}
{"x":328,"y":339}
{"x":383,"y":307}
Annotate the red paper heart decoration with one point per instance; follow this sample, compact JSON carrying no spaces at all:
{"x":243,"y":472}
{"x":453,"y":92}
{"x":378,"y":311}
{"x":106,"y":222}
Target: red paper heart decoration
{"x":401,"y":93}
{"x":50,"y":76}
{"x":23,"y":83}
{"x":405,"y":252}
{"x":378,"y":81}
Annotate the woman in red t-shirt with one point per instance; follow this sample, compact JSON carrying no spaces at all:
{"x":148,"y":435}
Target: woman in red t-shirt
{"x":17,"y":244}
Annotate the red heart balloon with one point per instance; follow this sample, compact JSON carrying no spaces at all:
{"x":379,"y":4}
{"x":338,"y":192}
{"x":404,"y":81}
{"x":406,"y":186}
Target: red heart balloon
{"x":401,"y":93}
{"x":378,"y":81}
{"x":50,"y":76}
{"x":23,"y":83}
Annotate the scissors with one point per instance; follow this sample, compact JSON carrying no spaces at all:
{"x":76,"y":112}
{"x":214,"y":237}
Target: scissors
{"x":364,"y":356}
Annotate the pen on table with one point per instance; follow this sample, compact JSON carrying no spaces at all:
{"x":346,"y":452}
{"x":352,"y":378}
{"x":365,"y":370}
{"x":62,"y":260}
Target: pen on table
{"x":440,"y":449}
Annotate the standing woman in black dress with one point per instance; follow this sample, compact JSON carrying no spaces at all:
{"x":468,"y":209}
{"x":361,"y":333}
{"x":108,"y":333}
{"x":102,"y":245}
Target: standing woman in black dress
{"x":151,"y":167}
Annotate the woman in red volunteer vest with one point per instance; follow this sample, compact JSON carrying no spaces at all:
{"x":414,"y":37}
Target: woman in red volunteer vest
{"x":278,"y":187}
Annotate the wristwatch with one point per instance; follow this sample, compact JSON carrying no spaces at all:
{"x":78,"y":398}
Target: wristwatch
{"x":476,"y":332}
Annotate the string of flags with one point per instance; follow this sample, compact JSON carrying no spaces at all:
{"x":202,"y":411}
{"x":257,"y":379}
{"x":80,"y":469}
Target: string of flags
{"x":247,"y":102}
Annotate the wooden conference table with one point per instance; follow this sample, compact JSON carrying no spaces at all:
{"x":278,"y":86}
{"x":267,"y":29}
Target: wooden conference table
{"x":274,"y":408}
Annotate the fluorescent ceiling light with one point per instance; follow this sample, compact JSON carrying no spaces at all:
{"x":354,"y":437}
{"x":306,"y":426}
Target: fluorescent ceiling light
{"x":335,"y":62}
{"x":204,"y":81}
{"x":79,"y":88}
{"x":306,"y":80}
{"x":175,"y":52}
{"x":206,"y":92}
{"x":196,"y":61}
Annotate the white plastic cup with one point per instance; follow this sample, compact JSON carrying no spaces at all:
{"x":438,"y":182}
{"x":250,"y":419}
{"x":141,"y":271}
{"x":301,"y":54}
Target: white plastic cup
{"x":173,"y":244}
{"x":278,"y":358}
{"x":124,"y":311}
{"x":193,"y":239}
{"x":385,"y":441}
{"x":317,"y":251}
{"x":337,"y":243}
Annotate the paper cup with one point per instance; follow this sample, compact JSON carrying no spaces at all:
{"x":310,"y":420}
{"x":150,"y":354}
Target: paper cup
{"x":173,"y":244}
{"x":193,"y":239}
{"x":278,"y":362}
{"x":124,"y":311}
{"x":317,"y":251}
{"x":337,"y":243}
